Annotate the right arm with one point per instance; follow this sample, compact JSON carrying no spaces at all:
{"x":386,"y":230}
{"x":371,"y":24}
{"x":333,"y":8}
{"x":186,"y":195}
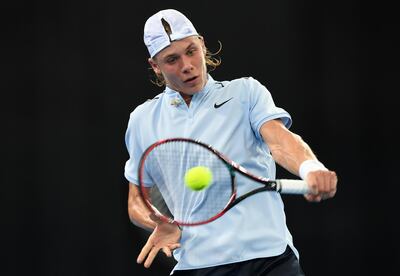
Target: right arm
{"x":165,"y":236}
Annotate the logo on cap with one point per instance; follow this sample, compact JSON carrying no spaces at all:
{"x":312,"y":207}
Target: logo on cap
{"x":167,"y":28}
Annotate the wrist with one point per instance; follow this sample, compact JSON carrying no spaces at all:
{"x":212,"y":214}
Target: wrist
{"x":310,"y":166}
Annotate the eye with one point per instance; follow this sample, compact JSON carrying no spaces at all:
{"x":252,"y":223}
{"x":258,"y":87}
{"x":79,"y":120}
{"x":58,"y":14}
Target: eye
{"x":171,"y":59}
{"x":191,"y":52}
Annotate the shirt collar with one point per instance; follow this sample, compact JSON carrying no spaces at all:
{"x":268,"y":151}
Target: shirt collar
{"x":206,"y":88}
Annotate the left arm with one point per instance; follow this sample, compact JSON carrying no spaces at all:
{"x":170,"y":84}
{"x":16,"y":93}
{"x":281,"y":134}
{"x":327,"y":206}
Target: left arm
{"x":290,"y":151}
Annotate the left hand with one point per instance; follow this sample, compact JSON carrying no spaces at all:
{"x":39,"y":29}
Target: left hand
{"x":323,"y":185}
{"x":165,"y":237}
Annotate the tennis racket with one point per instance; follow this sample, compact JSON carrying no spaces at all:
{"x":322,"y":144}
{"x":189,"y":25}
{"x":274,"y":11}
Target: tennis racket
{"x":161,"y":182}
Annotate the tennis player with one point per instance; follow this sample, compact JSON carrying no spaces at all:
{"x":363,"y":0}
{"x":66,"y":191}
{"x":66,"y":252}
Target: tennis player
{"x":240,"y":119}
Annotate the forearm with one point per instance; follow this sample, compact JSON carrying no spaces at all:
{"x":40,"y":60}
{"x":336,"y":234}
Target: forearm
{"x":287,"y":148}
{"x":292,"y":153}
{"x":137,"y":210}
{"x":140,"y":218}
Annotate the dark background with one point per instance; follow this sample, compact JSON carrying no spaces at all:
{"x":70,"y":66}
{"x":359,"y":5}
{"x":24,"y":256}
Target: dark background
{"x":73,"y":71}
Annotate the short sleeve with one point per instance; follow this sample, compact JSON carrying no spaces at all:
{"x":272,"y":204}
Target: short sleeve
{"x":263,"y":108}
{"x":133,"y":142}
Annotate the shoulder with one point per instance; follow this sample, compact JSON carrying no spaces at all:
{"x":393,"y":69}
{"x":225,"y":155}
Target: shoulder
{"x":246,"y":88}
{"x":243,"y":82}
{"x":147,"y":106}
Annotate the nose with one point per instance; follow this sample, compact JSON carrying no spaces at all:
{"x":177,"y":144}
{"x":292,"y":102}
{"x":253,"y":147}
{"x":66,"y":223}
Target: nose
{"x":186,"y":65}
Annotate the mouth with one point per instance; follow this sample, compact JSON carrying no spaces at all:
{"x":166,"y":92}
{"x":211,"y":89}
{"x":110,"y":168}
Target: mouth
{"x":190,"y":80}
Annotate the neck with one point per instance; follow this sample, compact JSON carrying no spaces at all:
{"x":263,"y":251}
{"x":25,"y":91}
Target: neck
{"x":187,"y":98}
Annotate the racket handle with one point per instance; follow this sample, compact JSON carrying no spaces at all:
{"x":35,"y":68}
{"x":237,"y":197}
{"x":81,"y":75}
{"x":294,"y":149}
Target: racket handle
{"x":292,"y":186}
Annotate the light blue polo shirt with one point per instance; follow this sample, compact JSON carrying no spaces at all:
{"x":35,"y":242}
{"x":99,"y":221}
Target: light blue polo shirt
{"x":227,"y":115}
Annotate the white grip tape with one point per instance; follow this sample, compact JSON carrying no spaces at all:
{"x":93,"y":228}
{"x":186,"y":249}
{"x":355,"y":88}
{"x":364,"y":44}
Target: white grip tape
{"x":293,"y":186}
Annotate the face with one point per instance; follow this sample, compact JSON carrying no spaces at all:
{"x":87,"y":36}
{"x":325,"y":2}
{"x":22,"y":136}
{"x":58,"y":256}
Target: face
{"x":182,"y":65}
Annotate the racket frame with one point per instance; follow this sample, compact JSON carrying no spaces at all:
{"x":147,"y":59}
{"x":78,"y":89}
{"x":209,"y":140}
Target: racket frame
{"x":268,"y":185}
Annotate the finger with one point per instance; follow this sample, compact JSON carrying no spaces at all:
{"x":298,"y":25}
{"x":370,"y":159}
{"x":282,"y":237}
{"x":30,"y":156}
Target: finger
{"x":313,"y":190}
{"x":317,"y":198}
{"x":332,"y":194}
{"x":144,"y":252}
{"x":334,"y":181}
{"x":150,"y":258}
{"x":174,"y":246}
{"x":330,"y":189}
{"x":167,"y":251}
{"x":322,"y":180}
{"x":327,"y":182}
{"x":313,"y":183}
{"x":313,"y":198}
{"x":325,"y":196}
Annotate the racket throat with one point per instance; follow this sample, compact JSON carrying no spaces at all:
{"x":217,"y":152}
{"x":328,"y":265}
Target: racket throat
{"x":276,"y":186}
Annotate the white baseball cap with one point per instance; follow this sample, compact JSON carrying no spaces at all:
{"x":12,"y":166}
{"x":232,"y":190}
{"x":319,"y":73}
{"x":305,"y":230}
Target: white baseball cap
{"x":164,"y":27}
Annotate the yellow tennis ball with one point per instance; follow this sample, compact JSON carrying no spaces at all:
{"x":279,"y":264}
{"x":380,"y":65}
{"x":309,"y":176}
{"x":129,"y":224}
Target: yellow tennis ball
{"x":198,"y":178}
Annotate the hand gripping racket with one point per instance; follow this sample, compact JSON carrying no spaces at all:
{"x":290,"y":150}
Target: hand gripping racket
{"x":163,"y":190}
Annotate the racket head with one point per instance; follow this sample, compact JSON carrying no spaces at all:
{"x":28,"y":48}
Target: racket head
{"x":163,"y":190}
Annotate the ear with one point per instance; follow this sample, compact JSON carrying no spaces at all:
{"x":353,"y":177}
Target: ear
{"x":154,"y":66}
{"x":203,"y":44}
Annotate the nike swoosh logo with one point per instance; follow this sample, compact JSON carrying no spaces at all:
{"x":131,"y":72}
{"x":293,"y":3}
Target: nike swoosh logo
{"x":221,"y":104}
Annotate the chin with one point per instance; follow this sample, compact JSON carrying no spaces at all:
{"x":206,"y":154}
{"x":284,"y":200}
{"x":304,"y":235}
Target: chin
{"x":194,"y":90}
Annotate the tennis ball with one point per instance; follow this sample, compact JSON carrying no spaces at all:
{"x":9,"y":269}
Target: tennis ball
{"x":198,"y":178}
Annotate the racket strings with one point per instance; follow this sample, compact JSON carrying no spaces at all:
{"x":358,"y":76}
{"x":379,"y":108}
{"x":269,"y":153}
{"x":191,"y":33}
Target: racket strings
{"x":167,"y":164}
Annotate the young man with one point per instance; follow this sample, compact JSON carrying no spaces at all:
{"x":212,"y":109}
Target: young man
{"x":238,"y":118}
